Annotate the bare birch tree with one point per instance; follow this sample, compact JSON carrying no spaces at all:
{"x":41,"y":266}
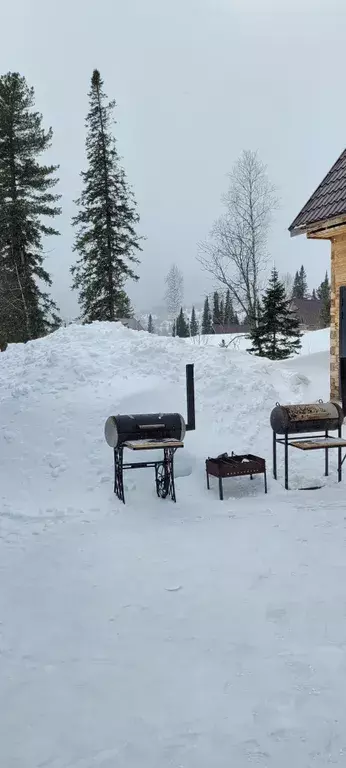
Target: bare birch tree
{"x":236,"y":251}
{"x":174,"y":291}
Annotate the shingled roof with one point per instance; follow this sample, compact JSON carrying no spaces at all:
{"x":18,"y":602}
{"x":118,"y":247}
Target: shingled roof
{"x":327,"y":202}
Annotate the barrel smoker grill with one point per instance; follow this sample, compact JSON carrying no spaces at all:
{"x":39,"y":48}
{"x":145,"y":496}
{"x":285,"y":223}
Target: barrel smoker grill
{"x":307,"y":419}
{"x":151,"y":431}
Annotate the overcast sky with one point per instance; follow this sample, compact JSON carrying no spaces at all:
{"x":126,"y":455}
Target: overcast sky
{"x":196,"y":81}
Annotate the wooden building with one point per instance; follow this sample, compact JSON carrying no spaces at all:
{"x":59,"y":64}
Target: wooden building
{"x":324,"y":218}
{"x":308,"y":313}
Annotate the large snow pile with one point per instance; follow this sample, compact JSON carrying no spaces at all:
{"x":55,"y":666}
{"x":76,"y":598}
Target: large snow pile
{"x":158,"y":635}
{"x":57,"y":392}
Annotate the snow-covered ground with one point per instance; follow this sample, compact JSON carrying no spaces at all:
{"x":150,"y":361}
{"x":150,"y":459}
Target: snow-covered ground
{"x":196,"y":635}
{"x":316,"y":341}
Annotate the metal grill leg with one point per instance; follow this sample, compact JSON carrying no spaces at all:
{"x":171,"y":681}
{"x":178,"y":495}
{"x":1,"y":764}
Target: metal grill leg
{"x":286,"y":461}
{"x":164,"y":475}
{"x":208,"y":484}
{"x":265,"y":482}
{"x":326,"y":458}
{"x":339,"y":459}
{"x":118,"y":474}
{"x":274,"y":456}
{"x":220,"y":489}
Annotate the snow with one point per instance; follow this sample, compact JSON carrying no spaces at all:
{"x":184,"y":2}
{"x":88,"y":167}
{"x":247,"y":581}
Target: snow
{"x":312,"y":341}
{"x":158,"y":635}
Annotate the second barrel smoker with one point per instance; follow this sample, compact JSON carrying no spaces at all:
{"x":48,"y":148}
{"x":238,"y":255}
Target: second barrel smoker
{"x":290,"y":422}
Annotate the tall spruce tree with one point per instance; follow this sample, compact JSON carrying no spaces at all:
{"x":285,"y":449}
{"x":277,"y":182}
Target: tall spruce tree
{"x":193,"y":323}
{"x":323,"y":293}
{"x":303,"y":282}
{"x":276,"y":334}
{"x":300,"y":284}
{"x":207,"y":326}
{"x":182,"y":326}
{"x":106,"y":241}
{"x":26,"y":205}
{"x":296,"y":287}
{"x":230,"y":316}
{"x":150,"y":325}
{"x":216,"y":308}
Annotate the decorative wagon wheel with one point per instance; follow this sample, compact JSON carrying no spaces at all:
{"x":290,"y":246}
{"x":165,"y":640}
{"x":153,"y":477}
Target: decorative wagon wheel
{"x":162,"y":481}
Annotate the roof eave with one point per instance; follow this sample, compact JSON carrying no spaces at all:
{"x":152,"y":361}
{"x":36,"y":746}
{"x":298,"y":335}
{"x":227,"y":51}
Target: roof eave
{"x":318,"y":226}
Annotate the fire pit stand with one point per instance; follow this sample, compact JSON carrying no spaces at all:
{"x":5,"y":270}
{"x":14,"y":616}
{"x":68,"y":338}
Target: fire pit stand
{"x":235,"y":466}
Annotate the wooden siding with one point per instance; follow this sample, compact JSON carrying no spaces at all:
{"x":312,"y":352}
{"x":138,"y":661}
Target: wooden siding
{"x":338,"y":278}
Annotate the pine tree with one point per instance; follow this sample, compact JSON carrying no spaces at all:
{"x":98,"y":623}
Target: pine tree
{"x":193,"y":323}
{"x":230,"y":316}
{"x":174,"y":328}
{"x":206,"y":319}
{"x":106,"y":240}
{"x":300,"y":284}
{"x":323,"y":293}
{"x":313,"y":295}
{"x":276,"y":334}
{"x":303,"y":282}
{"x":228,"y":309}
{"x":26,"y":204}
{"x":296,"y":287}
{"x":216,"y":309}
{"x":150,"y":325}
{"x":182,"y":327}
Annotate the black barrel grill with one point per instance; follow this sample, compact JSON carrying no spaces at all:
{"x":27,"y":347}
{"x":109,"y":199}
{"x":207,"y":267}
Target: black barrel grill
{"x":307,"y":419}
{"x":151,"y":431}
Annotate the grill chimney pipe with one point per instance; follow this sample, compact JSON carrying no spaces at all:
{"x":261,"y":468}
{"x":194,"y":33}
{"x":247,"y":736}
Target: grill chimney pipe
{"x":190,"y":398}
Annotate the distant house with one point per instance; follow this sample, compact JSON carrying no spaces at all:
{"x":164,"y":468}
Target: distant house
{"x":309,"y":313}
{"x":131,"y":322}
{"x":234,"y":328}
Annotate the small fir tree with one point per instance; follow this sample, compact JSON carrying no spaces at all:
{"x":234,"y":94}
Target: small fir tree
{"x":276,"y":334}
{"x":313,"y":295}
{"x":193,"y":323}
{"x":323,"y":293}
{"x":182,"y":327}
{"x":216,"y":309}
{"x":150,"y":325}
{"x":106,"y":243}
{"x":206,"y":319}
{"x":174,"y":328}
{"x":27,"y":202}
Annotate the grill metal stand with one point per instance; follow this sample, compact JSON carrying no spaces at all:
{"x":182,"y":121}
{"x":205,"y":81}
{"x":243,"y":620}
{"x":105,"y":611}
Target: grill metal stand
{"x":323,"y":441}
{"x":164,"y":468}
